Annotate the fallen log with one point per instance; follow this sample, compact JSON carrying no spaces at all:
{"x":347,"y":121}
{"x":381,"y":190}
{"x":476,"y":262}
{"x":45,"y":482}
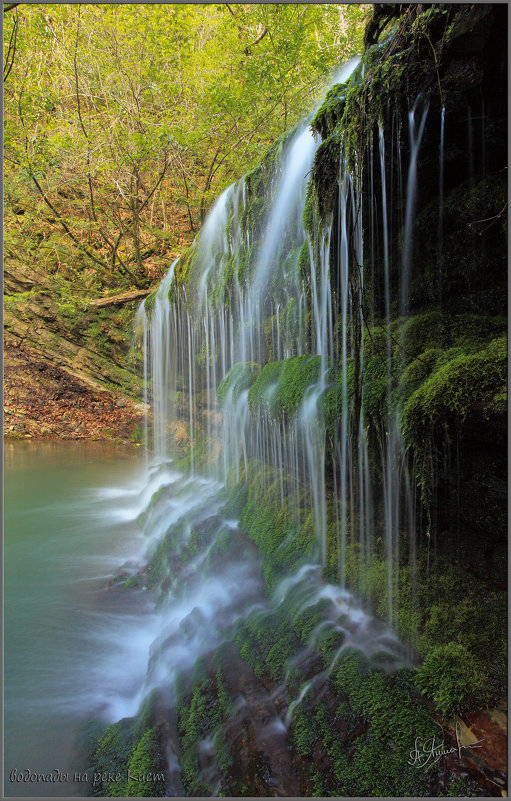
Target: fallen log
{"x":125,"y":297}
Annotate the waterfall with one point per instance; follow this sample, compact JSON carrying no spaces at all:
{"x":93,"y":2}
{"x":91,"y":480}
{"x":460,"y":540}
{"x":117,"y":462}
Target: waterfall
{"x":258,"y":345}
{"x":416,"y":133}
{"x":440,"y":232}
{"x":255,"y":314}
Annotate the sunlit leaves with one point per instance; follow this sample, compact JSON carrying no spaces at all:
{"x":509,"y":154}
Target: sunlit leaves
{"x":143,"y":113}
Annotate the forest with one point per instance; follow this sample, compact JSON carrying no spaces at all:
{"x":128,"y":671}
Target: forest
{"x":255,"y":383}
{"x":121,"y":126}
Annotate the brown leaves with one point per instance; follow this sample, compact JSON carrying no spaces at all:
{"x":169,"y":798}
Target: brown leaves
{"x":43,"y":401}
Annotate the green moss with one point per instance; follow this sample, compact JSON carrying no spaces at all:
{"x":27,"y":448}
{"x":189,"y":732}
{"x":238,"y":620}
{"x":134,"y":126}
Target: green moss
{"x":12,"y":301}
{"x":126,"y":759}
{"x":267,"y":641}
{"x":422,"y":616}
{"x":133,"y":582}
{"x":209,"y":707}
{"x":380,"y":765}
{"x":110,"y":755}
{"x":464,"y":384}
{"x":375,"y":388}
{"x":284,"y":535}
{"x":281,"y":386}
{"x":182,"y":268}
{"x":474,"y":261}
{"x":325,"y":171}
{"x":305,"y":732}
{"x":382,"y":715}
{"x":149,"y":302}
{"x":240,"y":377}
{"x":304,"y":264}
{"x":159,"y":564}
{"x":331,"y":110}
{"x":261,"y":394}
{"x":143,"y":780}
{"x":333,"y":398}
{"x":454,"y":679}
{"x":473,"y":623}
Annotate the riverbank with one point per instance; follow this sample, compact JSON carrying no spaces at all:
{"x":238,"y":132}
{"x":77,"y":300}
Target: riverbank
{"x":44,"y":401}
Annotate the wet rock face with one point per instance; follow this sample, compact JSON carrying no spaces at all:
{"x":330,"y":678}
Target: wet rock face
{"x":450,"y":61}
{"x":451,"y":65}
{"x":258,"y":744}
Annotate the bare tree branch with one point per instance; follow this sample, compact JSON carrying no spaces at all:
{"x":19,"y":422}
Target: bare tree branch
{"x":11,"y":50}
{"x":125,"y":297}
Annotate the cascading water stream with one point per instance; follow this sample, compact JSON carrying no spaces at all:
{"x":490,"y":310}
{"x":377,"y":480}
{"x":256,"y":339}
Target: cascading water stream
{"x":196,"y":344}
{"x":416,"y":130}
{"x":440,"y":232}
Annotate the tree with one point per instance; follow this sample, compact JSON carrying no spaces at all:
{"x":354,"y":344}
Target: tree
{"x":123,"y":122}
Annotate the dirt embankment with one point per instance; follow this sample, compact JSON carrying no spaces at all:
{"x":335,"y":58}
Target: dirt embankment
{"x":68,"y":372}
{"x":42,"y":400}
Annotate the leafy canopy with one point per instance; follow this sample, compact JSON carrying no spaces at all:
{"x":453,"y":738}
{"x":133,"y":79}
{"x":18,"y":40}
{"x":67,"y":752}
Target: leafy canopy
{"x":124,"y":122}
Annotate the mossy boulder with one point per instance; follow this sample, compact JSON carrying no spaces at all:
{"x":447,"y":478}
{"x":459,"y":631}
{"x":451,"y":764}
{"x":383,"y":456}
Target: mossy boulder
{"x":454,"y":679}
{"x":240,"y":377}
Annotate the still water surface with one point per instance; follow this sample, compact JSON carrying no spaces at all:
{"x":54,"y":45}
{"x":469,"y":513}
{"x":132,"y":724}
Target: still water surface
{"x":67,"y":529}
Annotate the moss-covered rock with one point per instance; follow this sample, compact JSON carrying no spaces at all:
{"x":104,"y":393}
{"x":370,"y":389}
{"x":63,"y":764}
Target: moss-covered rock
{"x":127,"y":760}
{"x":462,"y":383}
{"x":240,"y":377}
{"x":454,"y":679}
{"x":200,"y":720}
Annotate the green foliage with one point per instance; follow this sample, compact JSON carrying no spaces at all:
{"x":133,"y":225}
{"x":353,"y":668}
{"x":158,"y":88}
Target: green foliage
{"x":99,"y":123}
{"x":453,"y":678}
